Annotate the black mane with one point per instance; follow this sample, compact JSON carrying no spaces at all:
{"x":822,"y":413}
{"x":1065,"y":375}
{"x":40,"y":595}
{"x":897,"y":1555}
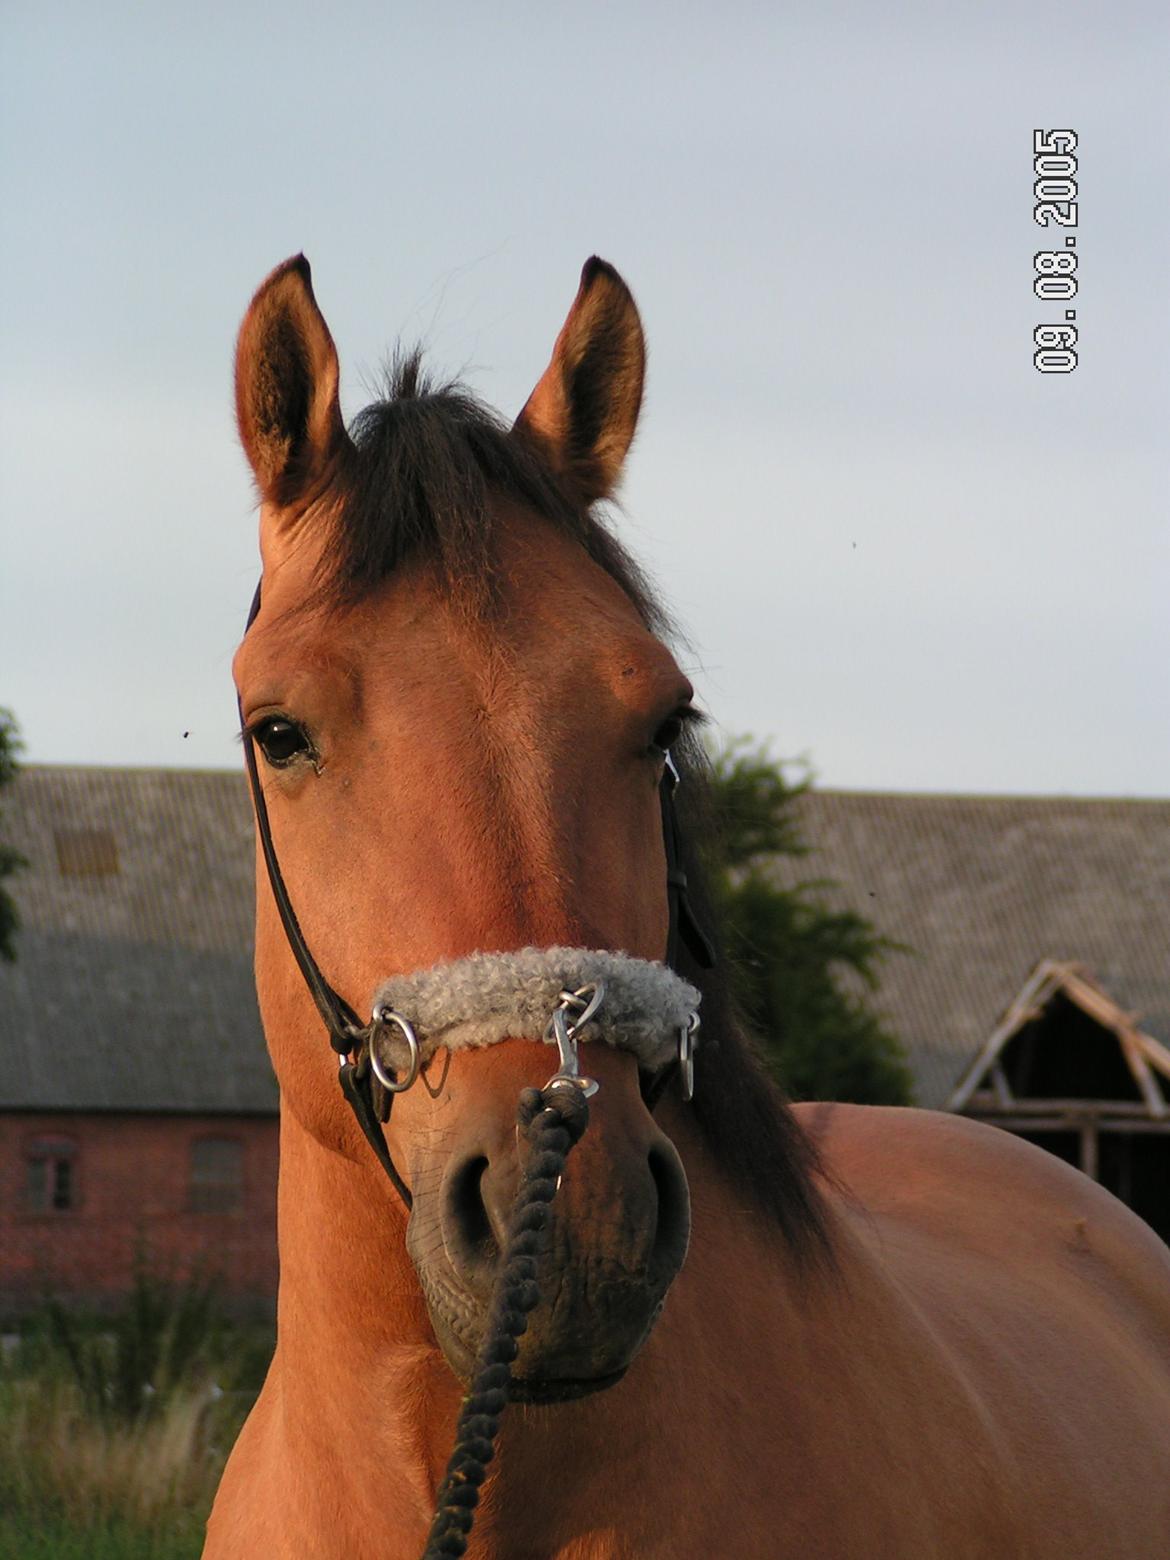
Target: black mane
{"x":425,"y":465}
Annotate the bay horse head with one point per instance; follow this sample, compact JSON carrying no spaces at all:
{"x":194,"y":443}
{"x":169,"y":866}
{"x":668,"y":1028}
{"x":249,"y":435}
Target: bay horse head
{"x":462,"y":703}
{"x":895,"y":1331}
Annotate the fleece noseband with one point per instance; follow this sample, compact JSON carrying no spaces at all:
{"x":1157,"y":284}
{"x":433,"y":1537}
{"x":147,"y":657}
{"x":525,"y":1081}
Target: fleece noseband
{"x":490,"y":997}
{"x":534,"y":993}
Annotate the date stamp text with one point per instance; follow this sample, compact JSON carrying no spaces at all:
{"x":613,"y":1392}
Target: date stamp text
{"x":1054,"y":271}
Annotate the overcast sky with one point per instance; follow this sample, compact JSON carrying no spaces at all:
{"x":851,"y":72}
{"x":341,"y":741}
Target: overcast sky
{"x":899,"y":549}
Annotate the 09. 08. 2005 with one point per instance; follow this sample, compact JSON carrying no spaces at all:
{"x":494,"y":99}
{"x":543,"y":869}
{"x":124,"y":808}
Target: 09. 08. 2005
{"x":1054,"y":194}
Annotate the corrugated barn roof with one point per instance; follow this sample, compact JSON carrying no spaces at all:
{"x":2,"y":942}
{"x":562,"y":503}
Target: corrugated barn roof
{"x":132,"y":988}
{"x":981,"y":889}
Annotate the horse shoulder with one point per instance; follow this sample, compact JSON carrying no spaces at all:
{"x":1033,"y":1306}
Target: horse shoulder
{"x":1047,"y":1297}
{"x":978,"y":1188}
{"x":1041,"y":1300}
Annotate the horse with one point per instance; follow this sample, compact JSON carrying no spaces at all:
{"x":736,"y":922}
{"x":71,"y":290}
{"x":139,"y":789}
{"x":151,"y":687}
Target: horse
{"x":763,"y":1329}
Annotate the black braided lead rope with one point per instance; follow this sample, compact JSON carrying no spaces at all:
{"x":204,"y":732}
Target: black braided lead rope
{"x":552,"y":1121}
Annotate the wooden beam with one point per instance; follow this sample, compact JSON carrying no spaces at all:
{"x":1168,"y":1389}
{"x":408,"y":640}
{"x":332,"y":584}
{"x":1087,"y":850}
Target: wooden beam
{"x":1072,"y":1107}
{"x":1154,"y":1051}
{"x":1093,"y":1001}
{"x":999,"y":1083}
{"x":1068,"y":1124}
{"x":1045,"y":975}
{"x":1142,"y":1072}
{"x":1089,"y":1148}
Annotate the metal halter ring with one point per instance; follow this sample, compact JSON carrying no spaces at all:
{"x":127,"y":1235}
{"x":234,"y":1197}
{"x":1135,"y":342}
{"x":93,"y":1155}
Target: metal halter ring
{"x":382,"y":1018}
{"x":686,"y":1055}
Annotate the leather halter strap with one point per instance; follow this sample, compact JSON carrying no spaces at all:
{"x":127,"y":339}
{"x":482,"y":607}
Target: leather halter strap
{"x":683,"y":924}
{"x":347,"y":1033}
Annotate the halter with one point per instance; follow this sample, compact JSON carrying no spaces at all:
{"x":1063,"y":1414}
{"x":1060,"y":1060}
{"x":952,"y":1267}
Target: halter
{"x":382,"y":1058}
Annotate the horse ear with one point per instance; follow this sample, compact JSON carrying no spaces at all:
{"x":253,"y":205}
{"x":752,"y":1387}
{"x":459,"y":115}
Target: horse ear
{"x":287,"y":403}
{"x":584,"y":410}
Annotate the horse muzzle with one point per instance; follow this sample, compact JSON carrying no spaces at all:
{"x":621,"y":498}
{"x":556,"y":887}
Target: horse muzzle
{"x":619,"y":1224}
{"x":618,"y":1234}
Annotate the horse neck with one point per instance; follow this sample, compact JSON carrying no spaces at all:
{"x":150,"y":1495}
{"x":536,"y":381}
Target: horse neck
{"x":364,"y":1388}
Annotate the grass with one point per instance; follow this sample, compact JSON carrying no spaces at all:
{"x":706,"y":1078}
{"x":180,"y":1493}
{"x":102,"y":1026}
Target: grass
{"x":48,"y":1537}
{"x":114,"y":1430}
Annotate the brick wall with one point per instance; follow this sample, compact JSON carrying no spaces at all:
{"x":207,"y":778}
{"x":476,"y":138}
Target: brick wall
{"x":136,"y":1184}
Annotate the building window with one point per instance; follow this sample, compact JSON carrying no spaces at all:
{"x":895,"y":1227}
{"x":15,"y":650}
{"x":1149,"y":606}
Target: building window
{"x":217,"y":1175}
{"x":50,"y":1176}
{"x":86,"y":852}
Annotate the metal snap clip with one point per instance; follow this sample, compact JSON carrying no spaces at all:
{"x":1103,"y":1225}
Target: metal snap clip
{"x":587,"y":1001}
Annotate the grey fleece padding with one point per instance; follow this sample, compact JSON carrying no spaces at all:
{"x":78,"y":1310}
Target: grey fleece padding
{"x":489,"y":997}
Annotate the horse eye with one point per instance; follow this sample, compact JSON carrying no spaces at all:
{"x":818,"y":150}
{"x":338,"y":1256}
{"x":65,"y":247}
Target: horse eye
{"x":281,"y":740}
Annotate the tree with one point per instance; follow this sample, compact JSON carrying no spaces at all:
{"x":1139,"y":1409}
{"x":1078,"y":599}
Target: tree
{"x":10,"y":860}
{"x":802,"y":971}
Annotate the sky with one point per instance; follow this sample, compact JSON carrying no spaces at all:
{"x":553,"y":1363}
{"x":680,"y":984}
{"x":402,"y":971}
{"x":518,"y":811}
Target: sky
{"x":899,"y":551}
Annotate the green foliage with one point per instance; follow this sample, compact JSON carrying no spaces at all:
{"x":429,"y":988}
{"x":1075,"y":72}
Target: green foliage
{"x":126,"y":1370}
{"x":10,"y":860}
{"x":114,"y":1429}
{"x":46,"y":1535}
{"x":802,"y":970}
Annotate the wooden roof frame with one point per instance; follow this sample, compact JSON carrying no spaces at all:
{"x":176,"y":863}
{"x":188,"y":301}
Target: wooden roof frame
{"x":1147,"y":1059}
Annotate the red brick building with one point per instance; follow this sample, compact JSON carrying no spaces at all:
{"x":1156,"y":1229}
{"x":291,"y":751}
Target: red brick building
{"x":137,"y":1104}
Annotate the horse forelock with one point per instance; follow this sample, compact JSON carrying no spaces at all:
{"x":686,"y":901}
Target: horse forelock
{"x":426,"y":466}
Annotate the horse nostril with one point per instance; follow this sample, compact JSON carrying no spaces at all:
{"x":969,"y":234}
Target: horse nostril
{"x":673,"y":1232}
{"x":468,"y":1230}
{"x":649,"y":1209}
